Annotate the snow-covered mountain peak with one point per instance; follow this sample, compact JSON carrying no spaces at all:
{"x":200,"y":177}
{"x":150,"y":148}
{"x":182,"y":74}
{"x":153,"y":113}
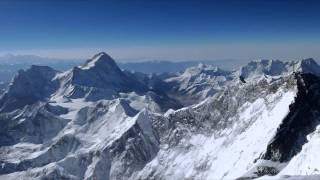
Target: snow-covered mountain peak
{"x":257,"y":68}
{"x":34,"y":73}
{"x":202,"y":68}
{"x":101,"y":60}
{"x":308,"y":61}
{"x":98,"y":78}
{"x":262,"y":67}
{"x":199,"y":82}
{"x":306,"y":66}
{"x":29,"y":86}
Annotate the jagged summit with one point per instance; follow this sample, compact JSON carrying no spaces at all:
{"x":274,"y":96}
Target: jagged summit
{"x":198,"y":82}
{"x":99,"y":78}
{"x":102,"y":61}
{"x":308,"y":65}
{"x":262,"y":66}
{"x":276,"y":67}
{"x":29,"y":86}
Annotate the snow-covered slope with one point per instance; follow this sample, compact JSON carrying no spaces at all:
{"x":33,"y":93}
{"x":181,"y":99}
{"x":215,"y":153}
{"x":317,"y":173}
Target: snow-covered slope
{"x":200,"y":82}
{"x":96,"y":121}
{"x":96,"y":140}
{"x":222,"y":137}
{"x":197,"y":83}
{"x":255,"y":69}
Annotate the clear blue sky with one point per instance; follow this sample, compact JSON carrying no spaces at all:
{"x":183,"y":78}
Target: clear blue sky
{"x":162,"y":29}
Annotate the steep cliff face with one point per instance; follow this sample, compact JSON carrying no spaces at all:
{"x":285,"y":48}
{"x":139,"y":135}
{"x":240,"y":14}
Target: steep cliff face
{"x":292,"y":151}
{"x":28,"y":87}
{"x":302,"y":120}
{"x":33,"y":124}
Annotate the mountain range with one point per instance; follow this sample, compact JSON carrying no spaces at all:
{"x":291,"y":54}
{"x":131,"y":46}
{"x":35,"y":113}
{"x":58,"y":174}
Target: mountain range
{"x":11,"y":64}
{"x":97,"y":121}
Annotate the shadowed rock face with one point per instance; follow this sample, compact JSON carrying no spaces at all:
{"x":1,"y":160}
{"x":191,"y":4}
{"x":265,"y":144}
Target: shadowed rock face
{"x":302,"y":120}
{"x":36,"y":124}
{"x":309,"y":66}
{"x":29,"y":87}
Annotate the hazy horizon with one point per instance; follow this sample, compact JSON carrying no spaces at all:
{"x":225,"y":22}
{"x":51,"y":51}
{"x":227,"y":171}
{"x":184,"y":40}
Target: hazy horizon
{"x":17,"y":56}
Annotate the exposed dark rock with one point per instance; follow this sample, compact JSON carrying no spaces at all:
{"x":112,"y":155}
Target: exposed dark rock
{"x":266,"y":170}
{"x":301,"y":120}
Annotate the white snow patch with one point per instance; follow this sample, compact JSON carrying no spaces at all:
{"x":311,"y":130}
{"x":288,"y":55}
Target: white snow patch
{"x":307,"y":162}
{"x":230,"y":156}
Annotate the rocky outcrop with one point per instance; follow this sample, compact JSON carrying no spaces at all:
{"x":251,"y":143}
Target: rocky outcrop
{"x":301,"y":120}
